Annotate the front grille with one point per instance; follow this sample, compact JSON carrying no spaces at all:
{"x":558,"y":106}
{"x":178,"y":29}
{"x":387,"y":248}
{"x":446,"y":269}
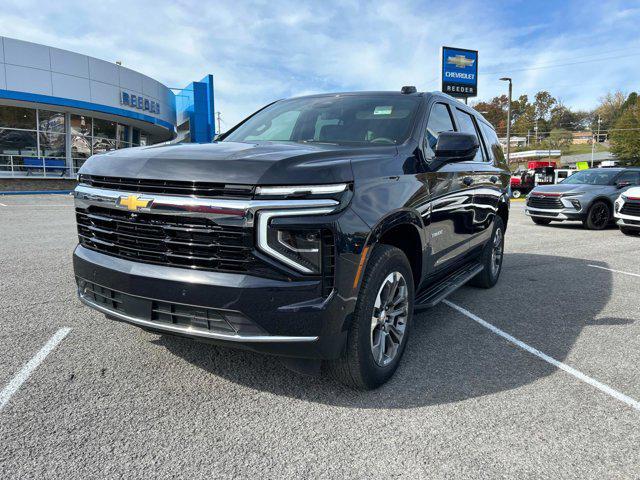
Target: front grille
{"x":551,"y":203}
{"x":169,"y":187}
{"x":630,"y":208}
{"x":170,"y":240}
{"x":167,"y":313}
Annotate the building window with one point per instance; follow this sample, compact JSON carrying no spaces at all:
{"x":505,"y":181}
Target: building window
{"x":17,"y":117}
{"x":33,"y":142}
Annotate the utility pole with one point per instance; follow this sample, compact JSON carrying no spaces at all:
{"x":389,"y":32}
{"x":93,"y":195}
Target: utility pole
{"x":595,"y":139}
{"x":218,"y":115}
{"x":507,"y":79}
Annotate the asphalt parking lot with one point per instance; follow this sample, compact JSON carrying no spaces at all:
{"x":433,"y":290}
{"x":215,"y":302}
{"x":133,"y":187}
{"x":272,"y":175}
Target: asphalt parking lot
{"x":110,"y":400}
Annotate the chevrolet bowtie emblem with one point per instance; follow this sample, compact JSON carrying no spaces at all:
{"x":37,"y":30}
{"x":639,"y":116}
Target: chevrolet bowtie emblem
{"x":133,"y":202}
{"x":460,"y":61}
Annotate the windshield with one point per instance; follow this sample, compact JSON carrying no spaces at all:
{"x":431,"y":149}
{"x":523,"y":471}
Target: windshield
{"x":591,"y":177}
{"x":343,"y":120}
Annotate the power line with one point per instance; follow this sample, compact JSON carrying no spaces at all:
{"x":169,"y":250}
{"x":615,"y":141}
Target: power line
{"x":556,"y":65}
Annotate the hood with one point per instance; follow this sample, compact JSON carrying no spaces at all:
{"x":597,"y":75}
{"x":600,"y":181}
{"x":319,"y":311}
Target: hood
{"x":568,"y":188}
{"x":235,"y":163}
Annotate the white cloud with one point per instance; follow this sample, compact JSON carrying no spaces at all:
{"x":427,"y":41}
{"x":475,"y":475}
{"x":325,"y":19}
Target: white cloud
{"x":262,"y":51}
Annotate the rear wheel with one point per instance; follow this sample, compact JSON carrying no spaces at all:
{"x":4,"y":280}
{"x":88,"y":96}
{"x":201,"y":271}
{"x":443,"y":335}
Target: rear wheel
{"x":491,"y":258}
{"x":598,"y":216}
{"x":516,"y":193}
{"x":541,"y":221}
{"x":382,"y":319}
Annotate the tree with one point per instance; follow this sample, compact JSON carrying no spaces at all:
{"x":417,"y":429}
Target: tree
{"x":609,"y":110}
{"x":625,"y":138}
{"x":558,"y":139}
{"x":495,"y":111}
{"x":543,"y":104}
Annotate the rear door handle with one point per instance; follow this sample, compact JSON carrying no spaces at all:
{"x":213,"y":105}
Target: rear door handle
{"x":467,"y":181}
{"x":494,"y":179}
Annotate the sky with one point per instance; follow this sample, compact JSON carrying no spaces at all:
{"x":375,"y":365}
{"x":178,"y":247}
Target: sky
{"x":266,"y":50}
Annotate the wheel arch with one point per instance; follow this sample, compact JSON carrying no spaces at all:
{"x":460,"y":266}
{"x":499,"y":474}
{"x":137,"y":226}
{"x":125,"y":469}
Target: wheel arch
{"x":404,"y":230}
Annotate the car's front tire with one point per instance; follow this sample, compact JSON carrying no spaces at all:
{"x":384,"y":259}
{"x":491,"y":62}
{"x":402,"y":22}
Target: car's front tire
{"x":491,"y":258}
{"x":598,"y":216}
{"x":381,"y":323}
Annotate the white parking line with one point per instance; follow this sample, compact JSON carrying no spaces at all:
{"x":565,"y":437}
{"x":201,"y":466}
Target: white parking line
{"x":570,"y":370}
{"x":30,"y":366}
{"x":615,"y":271}
{"x":38,"y":206}
{"x":3,"y":205}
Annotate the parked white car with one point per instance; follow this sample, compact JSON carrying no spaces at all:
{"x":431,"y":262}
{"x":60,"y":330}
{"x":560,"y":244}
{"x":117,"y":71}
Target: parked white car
{"x":627,"y":211}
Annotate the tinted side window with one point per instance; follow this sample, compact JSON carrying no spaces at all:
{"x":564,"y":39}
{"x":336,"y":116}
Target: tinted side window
{"x":439,"y":121}
{"x":467,"y":125}
{"x":493,"y":144}
{"x":633,"y":177}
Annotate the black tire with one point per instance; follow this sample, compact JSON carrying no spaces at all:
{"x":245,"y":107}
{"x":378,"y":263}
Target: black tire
{"x":598,"y":216}
{"x":516,"y":193}
{"x":489,"y":276}
{"x":357,"y":368}
{"x":541,"y":221}
{"x":629,"y":231}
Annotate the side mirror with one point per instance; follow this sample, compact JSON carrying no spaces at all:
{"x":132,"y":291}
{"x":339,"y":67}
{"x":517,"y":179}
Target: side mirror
{"x":456,"y":147}
{"x":623,"y":184}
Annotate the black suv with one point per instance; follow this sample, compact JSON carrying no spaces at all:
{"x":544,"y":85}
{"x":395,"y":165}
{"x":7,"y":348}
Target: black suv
{"x":311,"y":230}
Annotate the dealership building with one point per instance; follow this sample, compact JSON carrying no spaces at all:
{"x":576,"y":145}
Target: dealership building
{"x":57,"y":108}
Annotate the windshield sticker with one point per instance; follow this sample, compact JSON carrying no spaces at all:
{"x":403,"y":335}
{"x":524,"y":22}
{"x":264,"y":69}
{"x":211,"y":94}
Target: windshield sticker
{"x":383,"y":110}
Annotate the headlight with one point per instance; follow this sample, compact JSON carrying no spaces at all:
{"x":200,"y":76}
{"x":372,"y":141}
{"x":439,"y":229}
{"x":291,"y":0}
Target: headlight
{"x":300,"y":248}
{"x":302,"y":190}
{"x":572,"y":194}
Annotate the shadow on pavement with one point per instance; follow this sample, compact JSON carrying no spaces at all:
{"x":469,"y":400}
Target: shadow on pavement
{"x":543,"y":300}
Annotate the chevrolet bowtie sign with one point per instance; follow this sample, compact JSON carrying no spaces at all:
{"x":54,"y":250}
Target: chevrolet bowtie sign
{"x":459,"y":72}
{"x":133,"y":202}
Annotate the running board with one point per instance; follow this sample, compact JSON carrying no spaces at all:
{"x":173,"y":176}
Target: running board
{"x":437,"y":292}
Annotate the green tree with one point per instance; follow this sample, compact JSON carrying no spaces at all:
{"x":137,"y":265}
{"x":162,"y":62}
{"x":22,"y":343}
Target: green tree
{"x":558,"y":139}
{"x":609,"y":110}
{"x":625,"y":138}
{"x":543,"y":104}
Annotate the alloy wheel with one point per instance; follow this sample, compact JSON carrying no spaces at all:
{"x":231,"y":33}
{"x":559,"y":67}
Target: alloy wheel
{"x":599,"y":215}
{"x":497,"y":252}
{"x":388,"y":321}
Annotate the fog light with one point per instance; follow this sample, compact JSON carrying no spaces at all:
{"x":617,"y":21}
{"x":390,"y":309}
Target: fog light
{"x":576,"y":204}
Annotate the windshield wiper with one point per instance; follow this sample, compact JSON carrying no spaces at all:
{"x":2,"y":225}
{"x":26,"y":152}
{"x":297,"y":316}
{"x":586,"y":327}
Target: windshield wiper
{"x":311,"y":140}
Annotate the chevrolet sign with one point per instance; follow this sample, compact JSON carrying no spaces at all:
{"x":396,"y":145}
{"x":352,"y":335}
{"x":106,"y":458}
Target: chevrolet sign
{"x":459,"y":72}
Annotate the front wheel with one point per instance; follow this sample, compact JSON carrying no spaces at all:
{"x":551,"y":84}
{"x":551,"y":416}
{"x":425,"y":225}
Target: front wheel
{"x":491,"y":258}
{"x":598,"y":216}
{"x":516,"y":193}
{"x":381,"y":322}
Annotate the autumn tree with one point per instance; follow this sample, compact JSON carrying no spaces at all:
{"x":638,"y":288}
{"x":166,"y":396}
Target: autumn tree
{"x":625,"y":137}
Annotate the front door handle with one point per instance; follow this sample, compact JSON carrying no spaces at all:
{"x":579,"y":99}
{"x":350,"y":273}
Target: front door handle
{"x":467,"y":181}
{"x":494,"y":179}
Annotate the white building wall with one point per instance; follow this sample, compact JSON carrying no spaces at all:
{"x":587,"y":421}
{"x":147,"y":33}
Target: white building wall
{"x":39,"y":69}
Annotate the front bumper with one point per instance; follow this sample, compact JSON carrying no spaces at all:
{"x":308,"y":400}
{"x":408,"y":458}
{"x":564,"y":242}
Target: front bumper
{"x":261,"y":314}
{"x":560,"y":214}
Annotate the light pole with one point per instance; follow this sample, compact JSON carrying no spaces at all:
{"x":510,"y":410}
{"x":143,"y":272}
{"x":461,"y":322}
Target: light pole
{"x":593,"y":142}
{"x":507,"y":79}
